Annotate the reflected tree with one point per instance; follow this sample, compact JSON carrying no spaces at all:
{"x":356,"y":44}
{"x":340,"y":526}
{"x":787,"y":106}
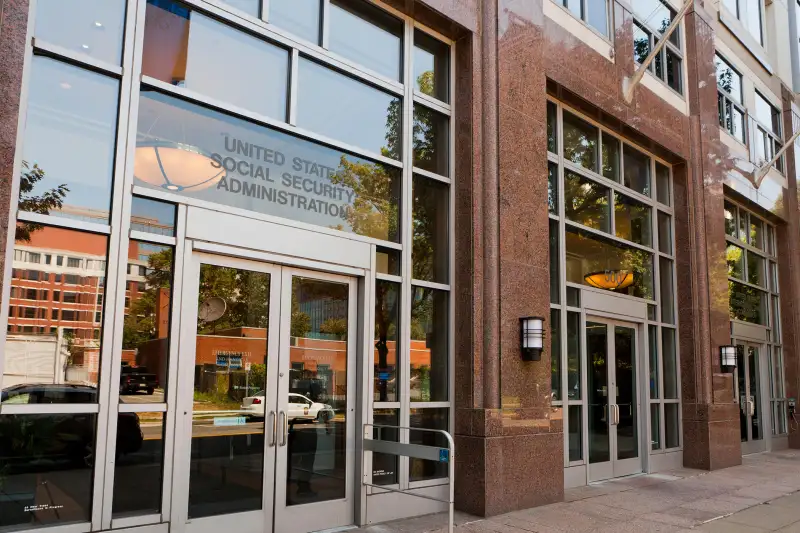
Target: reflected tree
{"x":41,"y":204}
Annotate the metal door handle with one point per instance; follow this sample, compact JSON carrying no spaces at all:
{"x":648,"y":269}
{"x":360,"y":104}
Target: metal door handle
{"x":751,"y":407}
{"x":274,"y":420}
{"x":285,"y":428}
{"x":616,"y":414}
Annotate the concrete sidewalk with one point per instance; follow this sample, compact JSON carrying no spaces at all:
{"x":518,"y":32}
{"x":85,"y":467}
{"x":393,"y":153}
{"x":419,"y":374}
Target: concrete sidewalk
{"x":763,"y":494}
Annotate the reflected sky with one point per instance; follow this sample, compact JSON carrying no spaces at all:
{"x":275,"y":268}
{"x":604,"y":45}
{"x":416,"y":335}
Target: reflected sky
{"x":300,"y":17}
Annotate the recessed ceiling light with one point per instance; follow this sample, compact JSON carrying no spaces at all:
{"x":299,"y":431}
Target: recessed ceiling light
{"x":85,"y":46}
{"x":98,"y":24}
{"x":65,"y":85}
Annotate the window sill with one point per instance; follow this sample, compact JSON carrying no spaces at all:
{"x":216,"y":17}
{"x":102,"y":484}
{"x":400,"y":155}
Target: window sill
{"x":740,"y":32}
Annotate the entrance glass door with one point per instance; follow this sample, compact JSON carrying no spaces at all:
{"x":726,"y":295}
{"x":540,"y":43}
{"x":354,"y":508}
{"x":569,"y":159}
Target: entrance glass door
{"x":748,"y":385}
{"x":613,"y":421}
{"x":265,"y":442}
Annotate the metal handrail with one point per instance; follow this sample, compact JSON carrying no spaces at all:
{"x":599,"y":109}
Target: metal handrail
{"x":417,"y":451}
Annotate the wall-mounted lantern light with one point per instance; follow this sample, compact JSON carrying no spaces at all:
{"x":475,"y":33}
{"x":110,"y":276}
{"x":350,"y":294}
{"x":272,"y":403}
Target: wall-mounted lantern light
{"x":531,"y":338}
{"x":727,"y":357}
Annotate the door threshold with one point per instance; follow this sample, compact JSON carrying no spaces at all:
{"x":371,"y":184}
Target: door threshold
{"x":612,"y":479}
{"x":336,"y":529}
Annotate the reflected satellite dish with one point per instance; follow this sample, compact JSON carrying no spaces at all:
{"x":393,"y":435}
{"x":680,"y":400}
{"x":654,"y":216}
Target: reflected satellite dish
{"x":212,"y":309}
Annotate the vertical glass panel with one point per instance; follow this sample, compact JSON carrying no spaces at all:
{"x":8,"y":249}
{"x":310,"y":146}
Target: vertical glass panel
{"x":741,"y":382}
{"x":139,"y":464}
{"x":664,"y":233}
{"x":300,"y":17}
{"x":597,"y":15}
{"x":555,"y":354}
{"x":641,"y":43}
{"x":146,"y":334}
{"x":754,"y":380}
{"x":747,"y":303}
{"x":552,"y":188}
{"x":431,"y":66}
{"x":55,"y":356}
{"x":327,"y":101}
{"x":730,"y":219}
{"x":743,"y":226}
{"x":580,"y":141}
{"x":431,"y":140}
{"x":669,"y":358}
{"x":586,"y":201}
{"x":430,"y":250}
{"x":421,"y":469}
{"x":366,"y":35}
{"x":756,"y":270}
{"x":611,"y":157}
{"x":773,"y":277}
{"x":387,"y":261}
{"x":734,"y":256}
{"x":316,"y":462}
{"x":654,"y":13}
{"x":753,"y":20}
{"x":732,"y":6}
{"x":637,"y":170}
{"x":604,"y":264}
{"x":756,"y":233}
{"x":574,"y":356}
{"x":429,"y":345}
{"x":655,"y":426}
{"x":672,"y":427}
{"x":674,"y":70}
{"x":555,"y":279}
{"x":667,"y":290}
{"x":93,"y":27}
{"x":384,"y":465}
{"x":770,"y":241}
{"x":776,"y":320}
{"x":47,"y":468}
{"x":652,"y":338}
{"x":632,"y":220}
{"x":230,"y":361}
{"x":651,"y":312}
{"x":152,"y":216}
{"x":196,"y":152}
{"x":552,"y":127}
{"x":185,"y":48}
{"x":573,"y":297}
{"x":663,"y":184}
{"x":69,"y":141}
{"x":598,"y":387}
{"x":249,"y":7}
{"x":387,"y":322}
{"x":626,"y":392}
{"x":575,"y":421}
{"x":728,"y":79}
{"x":575,"y":7}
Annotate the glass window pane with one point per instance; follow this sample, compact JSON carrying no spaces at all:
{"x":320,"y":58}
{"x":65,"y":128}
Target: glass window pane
{"x":555,"y":354}
{"x":430,"y":224}
{"x":47,"y":469}
{"x":249,"y":7}
{"x":773,"y":283}
{"x":651,"y":312}
{"x":384,"y":465}
{"x":431,"y":140}
{"x":575,"y":7}
{"x":728,"y":79}
{"x":93,"y":27}
{"x":637,"y":170}
{"x":146,"y":330}
{"x":732,"y":6}
{"x":139,"y":464}
{"x":387,"y":261}
{"x":586,"y":201}
{"x":366,"y":35}
{"x":597,"y":15}
{"x":606,"y":264}
{"x":672,"y":428}
{"x":552,"y":188}
{"x":49,"y":371}
{"x":573,"y":297}
{"x":674,"y":62}
{"x":730,"y":219}
{"x":580,"y":141}
{"x":300,"y":17}
{"x":670,"y":359}
{"x":654,"y":13}
{"x":69,"y":141}
{"x":421,"y":469}
{"x":756,"y":269}
{"x":552,"y":127}
{"x":756,"y":233}
{"x":431,"y":66}
{"x":610,"y":157}
{"x":655,"y":426}
{"x":747,"y":303}
{"x":327,"y":102}
{"x":641,"y":43}
{"x":632,"y":220}
{"x":663,"y":184}
{"x":555,"y":257}
{"x":429,"y":345}
{"x":387,"y":322}
{"x":753,"y":20}
{"x":575,"y":420}
{"x":765,"y":113}
{"x":152,"y":216}
{"x":667,"y":290}
{"x":652,"y":339}
{"x":573,"y":356}
{"x":185,"y":48}
{"x":776,"y":320}
{"x":664,"y":233}
{"x":180,"y":149}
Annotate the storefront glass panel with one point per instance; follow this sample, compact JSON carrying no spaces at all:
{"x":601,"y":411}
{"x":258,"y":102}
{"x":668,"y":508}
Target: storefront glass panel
{"x":92,"y":27}
{"x":299,"y":17}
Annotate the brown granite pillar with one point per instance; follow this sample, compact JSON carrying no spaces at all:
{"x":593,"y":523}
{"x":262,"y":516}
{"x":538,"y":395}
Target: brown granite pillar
{"x":13,"y":28}
{"x":710,"y":418}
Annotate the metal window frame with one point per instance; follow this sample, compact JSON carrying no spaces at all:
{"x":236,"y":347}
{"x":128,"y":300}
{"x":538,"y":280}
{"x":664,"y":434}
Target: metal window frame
{"x":655,"y":35}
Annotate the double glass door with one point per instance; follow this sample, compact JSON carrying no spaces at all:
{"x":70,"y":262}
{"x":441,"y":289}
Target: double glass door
{"x":265,"y":425}
{"x":749,"y":394}
{"x":613,"y":406}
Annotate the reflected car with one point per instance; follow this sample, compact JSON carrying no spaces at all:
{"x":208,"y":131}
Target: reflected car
{"x":299,"y":408}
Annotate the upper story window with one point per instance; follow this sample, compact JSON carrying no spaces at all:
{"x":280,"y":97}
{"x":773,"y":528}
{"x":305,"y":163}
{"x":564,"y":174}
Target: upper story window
{"x":651,"y":19}
{"x":593,"y":12}
{"x":729,"y":98}
{"x":749,"y":13}
{"x":766,"y":132}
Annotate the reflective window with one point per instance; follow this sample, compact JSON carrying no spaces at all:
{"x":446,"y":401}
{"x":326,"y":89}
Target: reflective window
{"x":670,"y":359}
{"x":672,"y":428}
{"x":421,"y":469}
{"x":663,"y":184}
{"x":180,"y":149}
{"x":728,"y":79}
{"x":250,"y":7}
{"x":387,"y":323}
{"x":552,"y":187}
{"x":552,"y":127}
{"x":580,"y":142}
{"x":555,"y":354}
{"x":730,"y":219}
{"x":430,"y":230}
{"x":327,"y":101}
{"x":367,"y":35}
{"x":667,"y":290}
{"x":152,"y":216}
{"x":655,"y":426}
{"x":47,"y":471}
{"x":300,"y":17}
{"x":574,"y":356}
{"x":431,"y":66}
{"x":756,"y":270}
{"x":652,"y":350}
{"x":384,"y":465}
{"x":632,"y":220}
{"x":431,"y":140}
{"x":734,"y":256}
{"x":185,"y":48}
{"x":388,"y":261}
{"x":752,"y":19}
{"x":429,"y":346}
{"x":69,"y":141}
{"x":597,"y":15}
{"x":586,"y":202}
{"x":575,"y":433}
{"x":92,"y":27}
{"x":610,"y":157}
{"x":139,"y":464}
{"x":767,"y":114}
{"x":49,"y":371}
{"x":555,"y":279}
{"x":637,"y":170}
{"x":664,"y":233}
{"x":747,"y":303}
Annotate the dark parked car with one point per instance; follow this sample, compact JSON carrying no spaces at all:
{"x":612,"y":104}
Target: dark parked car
{"x":136,"y":378}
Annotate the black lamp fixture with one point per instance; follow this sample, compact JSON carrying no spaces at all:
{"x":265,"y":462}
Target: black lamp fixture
{"x":727,"y":357}
{"x":531,"y":338}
